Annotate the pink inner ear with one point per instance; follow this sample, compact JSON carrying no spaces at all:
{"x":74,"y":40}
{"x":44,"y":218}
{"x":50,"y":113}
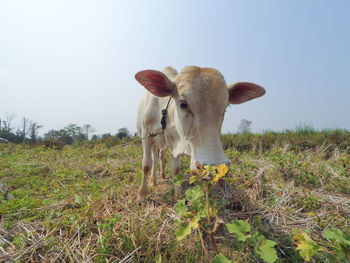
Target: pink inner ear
{"x":244,"y":91}
{"x":155,"y":82}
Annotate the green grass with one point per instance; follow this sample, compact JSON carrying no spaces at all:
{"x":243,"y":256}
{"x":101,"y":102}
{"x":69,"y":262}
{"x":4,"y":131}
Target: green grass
{"x":71,"y":205}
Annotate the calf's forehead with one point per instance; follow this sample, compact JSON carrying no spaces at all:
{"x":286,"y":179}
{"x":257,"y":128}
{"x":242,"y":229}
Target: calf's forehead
{"x":204,"y":86}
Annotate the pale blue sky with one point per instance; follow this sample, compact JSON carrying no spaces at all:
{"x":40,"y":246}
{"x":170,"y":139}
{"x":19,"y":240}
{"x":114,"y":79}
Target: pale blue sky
{"x":71,"y":61}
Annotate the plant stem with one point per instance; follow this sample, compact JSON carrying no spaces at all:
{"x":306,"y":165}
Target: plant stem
{"x":204,"y":229}
{"x":207,"y":202}
{"x":213,"y":242}
{"x":209,"y":222}
{"x":244,"y":256}
{"x":203,"y":245}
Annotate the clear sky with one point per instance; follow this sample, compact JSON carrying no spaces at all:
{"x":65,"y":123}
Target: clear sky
{"x":72,"y":61}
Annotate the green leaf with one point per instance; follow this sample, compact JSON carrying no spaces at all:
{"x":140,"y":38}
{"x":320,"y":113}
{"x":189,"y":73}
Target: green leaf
{"x":159,"y":258}
{"x":209,"y":168}
{"x":257,"y":221}
{"x":339,"y":251}
{"x":78,"y":200}
{"x":239,"y":227}
{"x":186,"y":228}
{"x":336,"y":235}
{"x":306,"y":246}
{"x":266,"y":250}
{"x":179,"y":179}
{"x":252,"y":241}
{"x":221,"y":258}
{"x":340,"y":242}
{"x":195,"y":194}
{"x":182,"y":231}
{"x":331,"y":258}
{"x":194,"y":222}
{"x":180,"y":207}
{"x":193,"y":179}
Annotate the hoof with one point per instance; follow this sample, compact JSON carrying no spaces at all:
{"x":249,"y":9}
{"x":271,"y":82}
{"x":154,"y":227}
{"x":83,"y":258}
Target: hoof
{"x":162,"y":174}
{"x":142,"y":194}
{"x":154,"y":183}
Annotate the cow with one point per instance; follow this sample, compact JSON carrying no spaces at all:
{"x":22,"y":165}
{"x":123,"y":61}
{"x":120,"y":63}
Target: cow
{"x":196,"y":100}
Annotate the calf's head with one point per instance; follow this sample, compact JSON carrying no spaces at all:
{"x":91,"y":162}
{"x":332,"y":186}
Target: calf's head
{"x":201,"y":97}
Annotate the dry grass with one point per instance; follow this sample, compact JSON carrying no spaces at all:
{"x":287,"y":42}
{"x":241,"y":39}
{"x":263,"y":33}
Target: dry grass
{"x":105,"y":223}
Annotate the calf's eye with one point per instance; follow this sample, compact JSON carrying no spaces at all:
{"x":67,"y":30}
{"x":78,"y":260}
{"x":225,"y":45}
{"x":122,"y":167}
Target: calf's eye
{"x":183,"y":104}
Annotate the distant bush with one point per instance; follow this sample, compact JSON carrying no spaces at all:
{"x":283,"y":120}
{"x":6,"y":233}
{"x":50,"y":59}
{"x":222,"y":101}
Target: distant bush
{"x":304,"y":129}
{"x":300,"y":139}
{"x":54,"y":143}
{"x":12,"y":137}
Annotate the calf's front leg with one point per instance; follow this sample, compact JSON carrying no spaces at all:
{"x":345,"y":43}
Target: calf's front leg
{"x":175,"y":169}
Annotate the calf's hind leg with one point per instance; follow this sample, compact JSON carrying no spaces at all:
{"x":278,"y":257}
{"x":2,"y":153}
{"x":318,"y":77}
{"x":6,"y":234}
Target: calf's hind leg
{"x":146,"y":166}
{"x":154,"y":164}
{"x":162,"y":152}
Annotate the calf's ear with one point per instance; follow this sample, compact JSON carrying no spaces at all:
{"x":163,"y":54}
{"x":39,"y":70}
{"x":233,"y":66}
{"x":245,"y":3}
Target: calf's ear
{"x":155,"y":82}
{"x":241,"y":92}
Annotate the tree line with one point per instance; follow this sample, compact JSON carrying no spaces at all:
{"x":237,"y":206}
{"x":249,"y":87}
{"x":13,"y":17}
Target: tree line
{"x":28,"y":132}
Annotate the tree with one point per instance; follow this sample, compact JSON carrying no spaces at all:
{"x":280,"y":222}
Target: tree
{"x":52,"y":134}
{"x":33,"y":131}
{"x":80,"y":137}
{"x":8,"y":121}
{"x":61,"y":135}
{"x":73,"y":130}
{"x":23,"y":131}
{"x":122,"y":133}
{"x":94,"y":137}
{"x":67,"y":135}
{"x":6,"y":129}
{"x":106,"y":135}
{"x":244,"y":126}
{"x":87,"y":128}
{"x":24,"y":126}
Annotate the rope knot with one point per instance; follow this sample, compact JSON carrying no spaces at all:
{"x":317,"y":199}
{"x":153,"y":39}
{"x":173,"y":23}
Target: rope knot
{"x":164,"y":113}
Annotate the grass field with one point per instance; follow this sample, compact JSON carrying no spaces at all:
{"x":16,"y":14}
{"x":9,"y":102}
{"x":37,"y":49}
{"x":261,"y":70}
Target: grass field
{"x":79,"y":203}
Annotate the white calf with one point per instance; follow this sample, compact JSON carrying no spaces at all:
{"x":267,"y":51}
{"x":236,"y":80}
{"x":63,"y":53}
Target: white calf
{"x":199,"y":98}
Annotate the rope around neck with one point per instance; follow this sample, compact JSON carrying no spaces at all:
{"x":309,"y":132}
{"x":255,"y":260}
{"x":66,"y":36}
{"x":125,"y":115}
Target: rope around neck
{"x":164,"y":115}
